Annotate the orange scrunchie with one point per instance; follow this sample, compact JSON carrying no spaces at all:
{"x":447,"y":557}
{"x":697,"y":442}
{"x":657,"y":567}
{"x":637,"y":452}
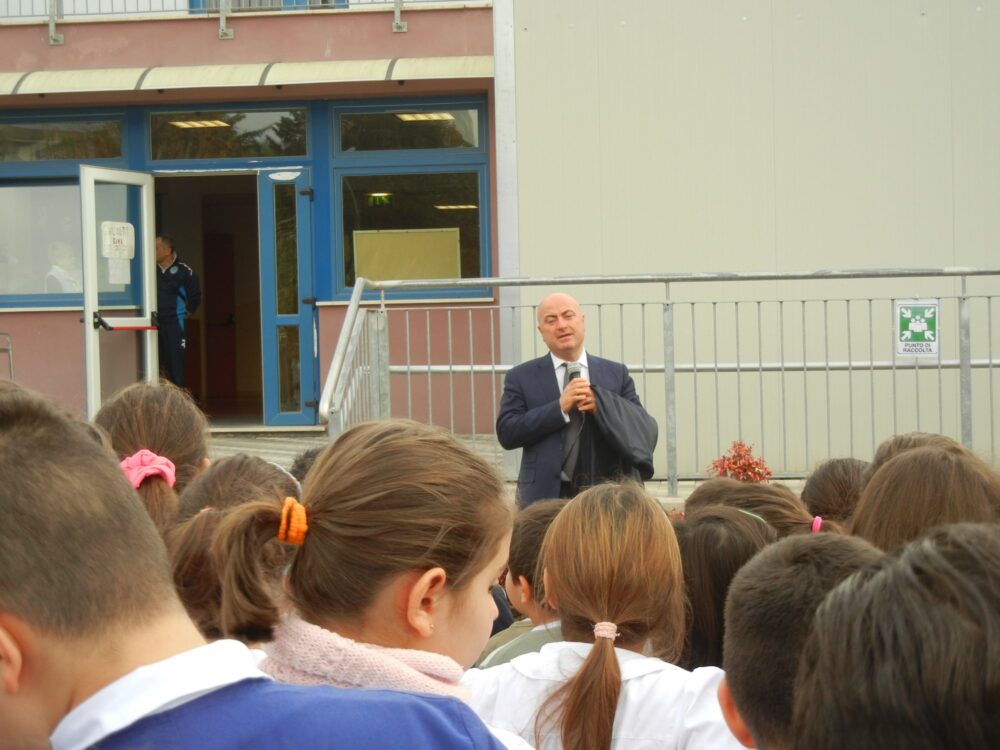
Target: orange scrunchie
{"x":293,"y":522}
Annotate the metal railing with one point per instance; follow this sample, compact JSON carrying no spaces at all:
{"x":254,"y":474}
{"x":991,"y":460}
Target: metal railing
{"x":802,"y":379}
{"x":54,"y":11}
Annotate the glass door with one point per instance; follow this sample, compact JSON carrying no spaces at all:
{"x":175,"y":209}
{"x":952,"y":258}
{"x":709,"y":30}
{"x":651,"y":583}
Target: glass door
{"x":288,"y":307}
{"x":119,"y":281}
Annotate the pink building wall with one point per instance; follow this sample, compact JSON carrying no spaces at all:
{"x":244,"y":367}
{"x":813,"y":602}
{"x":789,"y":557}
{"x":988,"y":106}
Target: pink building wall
{"x":259,"y":37}
{"x":49,"y":345}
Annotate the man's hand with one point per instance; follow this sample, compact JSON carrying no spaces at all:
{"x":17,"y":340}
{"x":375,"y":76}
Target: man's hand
{"x":577,"y":393}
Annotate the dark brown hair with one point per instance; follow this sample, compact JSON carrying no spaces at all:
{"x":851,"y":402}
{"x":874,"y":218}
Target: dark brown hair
{"x":715,"y":542}
{"x":386,"y":498}
{"x":163,"y":419}
{"x":78,"y":554}
{"x":907,"y":653}
{"x":530,"y":525}
{"x":227,"y":483}
{"x":775,"y":503}
{"x":922,"y":488}
{"x":609,"y":556}
{"x":304,"y":461}
{"x":833,"y":489}
{"x":892,"y":447}
{"x":769,"y":609}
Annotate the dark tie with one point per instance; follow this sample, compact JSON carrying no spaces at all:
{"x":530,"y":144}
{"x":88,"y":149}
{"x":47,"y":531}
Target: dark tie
{"x":571,"y":439}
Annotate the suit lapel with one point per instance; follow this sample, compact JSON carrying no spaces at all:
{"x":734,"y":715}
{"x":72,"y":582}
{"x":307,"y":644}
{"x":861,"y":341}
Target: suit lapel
{"x":598,"y":372}
{"x":545,"y":379}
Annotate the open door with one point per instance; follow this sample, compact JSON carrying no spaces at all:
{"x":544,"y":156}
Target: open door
{"x":119,"y":281}
{"x":288,"y":307}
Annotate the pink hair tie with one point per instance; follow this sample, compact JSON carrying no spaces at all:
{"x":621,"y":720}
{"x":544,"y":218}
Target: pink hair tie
{"x":606,"y":630}
{"x":817,"y":523}
{"x":144,"y":464}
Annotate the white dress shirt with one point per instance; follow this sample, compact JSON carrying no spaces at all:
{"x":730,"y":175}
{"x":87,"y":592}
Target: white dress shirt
{"x":661,"y":705}
{"x":561,"y":372}
{"x":154,"y":688}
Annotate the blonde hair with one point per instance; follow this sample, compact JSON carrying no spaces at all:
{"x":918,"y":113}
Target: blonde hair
{"x":609,"y":556}
{"x":386,"y":498}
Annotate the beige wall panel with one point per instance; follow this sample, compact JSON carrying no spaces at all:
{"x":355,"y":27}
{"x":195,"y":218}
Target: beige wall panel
{"x":727,"y":136}
{"x":711,"y":135}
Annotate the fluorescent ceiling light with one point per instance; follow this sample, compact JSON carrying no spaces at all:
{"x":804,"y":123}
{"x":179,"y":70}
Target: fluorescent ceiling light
{"x":424,"y":116}
{"x":379,"y":195}
{"x":464,"y":206}
{"x":199,"y":124}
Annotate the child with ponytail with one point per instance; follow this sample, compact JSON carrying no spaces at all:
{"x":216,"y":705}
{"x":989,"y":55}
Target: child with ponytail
{"x":160,"y":437}
{"x":226,"y":484}
{"x":612,"y":570}
{"x":399,"y":535}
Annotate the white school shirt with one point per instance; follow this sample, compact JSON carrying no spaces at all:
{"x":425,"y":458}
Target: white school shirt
{"x":661,"y":705}
{"x":154,"y":688}
{"x":168,"y":684}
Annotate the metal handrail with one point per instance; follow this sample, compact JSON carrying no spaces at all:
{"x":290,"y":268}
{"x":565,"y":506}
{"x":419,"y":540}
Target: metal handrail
{"x":340,"y":353}
{"x":669,"y":278}
{"x":345,"y":368}
{"x":362,"y":285}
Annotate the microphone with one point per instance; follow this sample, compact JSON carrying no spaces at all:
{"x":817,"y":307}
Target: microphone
{"x":573,"y":370}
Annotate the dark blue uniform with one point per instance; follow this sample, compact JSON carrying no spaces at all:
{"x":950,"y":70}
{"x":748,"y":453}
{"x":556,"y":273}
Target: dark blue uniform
{"x":177,"y":293}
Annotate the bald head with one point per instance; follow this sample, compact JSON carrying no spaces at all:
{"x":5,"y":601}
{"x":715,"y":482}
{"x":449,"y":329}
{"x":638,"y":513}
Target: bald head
{"x":561,"y":323}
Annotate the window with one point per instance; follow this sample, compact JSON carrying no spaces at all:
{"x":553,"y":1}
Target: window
{"x":390,"y":222}
{"x":42,"y":141}
{"x":411,"y":196}
{"x":409,"y":129}
{"x":40,"y":246}
{"x":228,"y":135}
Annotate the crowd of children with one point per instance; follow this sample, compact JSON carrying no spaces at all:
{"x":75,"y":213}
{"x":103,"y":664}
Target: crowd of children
{"x":150,"y":598}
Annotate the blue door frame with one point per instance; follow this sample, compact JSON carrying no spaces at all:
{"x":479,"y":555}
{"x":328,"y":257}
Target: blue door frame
{"x":288,"y":305}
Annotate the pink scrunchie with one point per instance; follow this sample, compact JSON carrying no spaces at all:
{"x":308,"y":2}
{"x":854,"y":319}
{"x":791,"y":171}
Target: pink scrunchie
{"x":817,"y":523}
{"x":606,"y":630}
{"x":144,"y":464}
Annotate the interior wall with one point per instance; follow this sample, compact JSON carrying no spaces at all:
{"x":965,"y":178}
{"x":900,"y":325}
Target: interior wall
{"x":193,"y":205}
{"x":236,"y":213}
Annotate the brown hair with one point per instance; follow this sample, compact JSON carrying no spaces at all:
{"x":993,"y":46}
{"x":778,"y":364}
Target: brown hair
{"x":227,"y":483}
{"x":907,"y":653}
{"x":922,"y":488}
{"x":163,"y":419}
{"x":715,"y":542}
{"x":78,"y":554}
{"x":386,"y":498}
{"x":892,"y":447}
{"x":769,"y":609}
{"x":530,"y":525}
{"x":833,"y":489}
{"x":775,"y":503}
{"x":304,"y":461}
{"x":609,"y":556}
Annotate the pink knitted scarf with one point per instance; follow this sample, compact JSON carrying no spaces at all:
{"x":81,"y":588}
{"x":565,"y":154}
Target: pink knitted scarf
{"x":306,"y":654}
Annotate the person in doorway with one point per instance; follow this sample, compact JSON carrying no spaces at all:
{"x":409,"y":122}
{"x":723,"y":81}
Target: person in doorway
{"x":178,"y":293}
{"x":576,"y":415}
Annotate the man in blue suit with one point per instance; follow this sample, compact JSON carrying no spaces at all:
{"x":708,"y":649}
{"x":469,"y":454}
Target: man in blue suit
{"x":552,"y":413}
